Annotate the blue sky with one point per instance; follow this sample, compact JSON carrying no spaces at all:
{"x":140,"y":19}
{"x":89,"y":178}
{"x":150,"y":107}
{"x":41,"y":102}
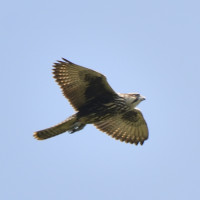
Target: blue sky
{"x":149,"y":47}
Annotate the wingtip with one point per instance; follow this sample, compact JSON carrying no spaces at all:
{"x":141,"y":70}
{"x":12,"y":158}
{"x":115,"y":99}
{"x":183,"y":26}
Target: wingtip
{"x":66,"y":60}
{"x":62,"y":62}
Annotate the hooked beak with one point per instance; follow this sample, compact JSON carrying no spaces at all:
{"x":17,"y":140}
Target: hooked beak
{"x":142,"y":98}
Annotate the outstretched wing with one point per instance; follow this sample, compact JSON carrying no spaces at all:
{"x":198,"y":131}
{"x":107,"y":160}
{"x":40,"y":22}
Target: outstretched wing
{"x":81,"y":85}
{"x":129,"y":127}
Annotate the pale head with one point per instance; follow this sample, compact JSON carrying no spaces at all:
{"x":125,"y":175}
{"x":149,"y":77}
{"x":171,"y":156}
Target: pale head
{"x":132,"y":99}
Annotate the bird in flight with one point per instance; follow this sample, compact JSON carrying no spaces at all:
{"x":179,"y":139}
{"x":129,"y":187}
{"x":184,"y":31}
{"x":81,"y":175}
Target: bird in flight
{"x":96,"y":103}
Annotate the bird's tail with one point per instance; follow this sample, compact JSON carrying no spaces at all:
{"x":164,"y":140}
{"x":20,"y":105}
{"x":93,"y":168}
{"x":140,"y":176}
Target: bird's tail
{"x":71,"y":124}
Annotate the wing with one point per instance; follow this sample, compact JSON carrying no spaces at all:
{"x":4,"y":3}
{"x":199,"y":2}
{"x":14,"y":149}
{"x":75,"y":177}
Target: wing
{"x":129,"y":127}
{"x":81,"y":85}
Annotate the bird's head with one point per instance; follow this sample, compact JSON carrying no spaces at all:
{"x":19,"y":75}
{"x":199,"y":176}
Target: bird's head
{"x":132,"y":99}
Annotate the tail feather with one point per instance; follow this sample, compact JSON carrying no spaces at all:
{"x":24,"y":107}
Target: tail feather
{"x":70,"y":124}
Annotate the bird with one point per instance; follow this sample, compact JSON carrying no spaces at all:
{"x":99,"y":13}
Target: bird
{"x":95,"y":102}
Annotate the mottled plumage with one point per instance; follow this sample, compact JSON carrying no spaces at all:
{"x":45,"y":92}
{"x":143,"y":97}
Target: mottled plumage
{"x":96,"y":103}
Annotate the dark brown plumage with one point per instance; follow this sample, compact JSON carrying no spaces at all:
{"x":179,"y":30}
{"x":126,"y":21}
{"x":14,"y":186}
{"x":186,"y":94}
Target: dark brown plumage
{"x":96,"y":103}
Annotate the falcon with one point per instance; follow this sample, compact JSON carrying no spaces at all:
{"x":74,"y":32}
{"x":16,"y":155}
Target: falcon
{"x":96,"y":103}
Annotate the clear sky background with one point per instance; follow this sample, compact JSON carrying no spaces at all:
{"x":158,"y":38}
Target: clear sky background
{"x":151,"y":47}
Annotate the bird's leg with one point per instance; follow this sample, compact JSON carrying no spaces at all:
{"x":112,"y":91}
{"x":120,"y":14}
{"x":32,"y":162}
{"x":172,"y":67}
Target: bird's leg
{"x":77,"y":127}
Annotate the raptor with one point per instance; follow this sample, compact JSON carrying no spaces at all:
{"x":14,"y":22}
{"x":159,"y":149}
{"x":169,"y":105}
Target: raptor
{"x":96,"y":103}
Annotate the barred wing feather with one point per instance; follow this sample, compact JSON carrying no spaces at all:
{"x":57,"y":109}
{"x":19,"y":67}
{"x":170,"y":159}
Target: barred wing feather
{"x":129,"y":127}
